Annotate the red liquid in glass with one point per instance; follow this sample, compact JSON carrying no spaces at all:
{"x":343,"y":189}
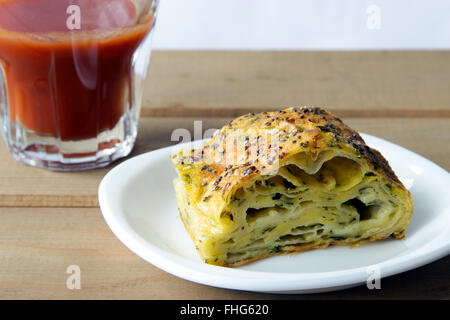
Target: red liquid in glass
{"x":71,"y":84}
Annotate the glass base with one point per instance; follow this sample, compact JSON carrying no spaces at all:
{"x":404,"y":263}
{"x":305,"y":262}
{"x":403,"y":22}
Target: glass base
{"x":51,"y":153}
{"x":74,"y":162}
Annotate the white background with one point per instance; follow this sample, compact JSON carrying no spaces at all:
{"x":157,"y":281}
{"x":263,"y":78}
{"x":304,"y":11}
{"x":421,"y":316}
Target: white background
{"x":301,"y":24}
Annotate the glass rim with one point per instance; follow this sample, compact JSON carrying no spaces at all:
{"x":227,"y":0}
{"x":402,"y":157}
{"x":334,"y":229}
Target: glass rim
{"x":145,"y":20}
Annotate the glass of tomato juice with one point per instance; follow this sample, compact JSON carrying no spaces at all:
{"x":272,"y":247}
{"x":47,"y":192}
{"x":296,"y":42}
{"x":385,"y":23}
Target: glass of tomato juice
{"x":71,"y":77}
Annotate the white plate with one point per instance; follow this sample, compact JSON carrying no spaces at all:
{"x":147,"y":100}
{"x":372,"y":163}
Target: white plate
{"x":138,"y":203}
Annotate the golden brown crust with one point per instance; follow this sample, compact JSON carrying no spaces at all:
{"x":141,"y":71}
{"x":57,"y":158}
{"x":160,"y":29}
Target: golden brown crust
{"x":295,"y":129}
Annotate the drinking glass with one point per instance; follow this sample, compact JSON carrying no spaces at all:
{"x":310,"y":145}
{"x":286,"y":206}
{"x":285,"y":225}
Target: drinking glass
{"x":71,"y":79}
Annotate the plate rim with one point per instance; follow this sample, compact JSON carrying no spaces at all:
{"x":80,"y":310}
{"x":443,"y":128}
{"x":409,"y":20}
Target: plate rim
{"x":251,"y":280}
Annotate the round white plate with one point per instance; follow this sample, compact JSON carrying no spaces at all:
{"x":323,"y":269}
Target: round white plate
{"x":137,"y":199}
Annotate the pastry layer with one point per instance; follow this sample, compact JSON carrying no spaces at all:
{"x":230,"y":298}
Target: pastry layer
{"x":330,"y":190}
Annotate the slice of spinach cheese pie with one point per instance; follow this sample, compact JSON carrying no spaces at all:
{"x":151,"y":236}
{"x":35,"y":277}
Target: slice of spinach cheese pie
{"x":285,"y":182}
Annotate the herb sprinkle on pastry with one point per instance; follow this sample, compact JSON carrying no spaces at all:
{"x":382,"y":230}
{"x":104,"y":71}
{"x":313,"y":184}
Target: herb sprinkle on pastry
{"x":284,"y":182}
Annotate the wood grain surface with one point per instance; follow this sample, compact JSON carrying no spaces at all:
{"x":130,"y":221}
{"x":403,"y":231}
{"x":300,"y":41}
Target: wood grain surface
{"x":363,"y":83}
{"x":51,"y":220}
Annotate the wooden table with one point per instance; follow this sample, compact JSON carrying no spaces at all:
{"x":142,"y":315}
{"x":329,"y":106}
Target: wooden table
{"x":51,"y":220}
